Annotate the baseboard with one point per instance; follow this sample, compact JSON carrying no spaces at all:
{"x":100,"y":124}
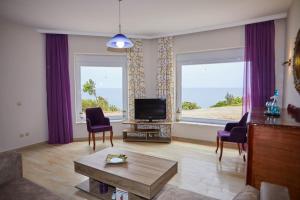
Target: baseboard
{"x":119,"y":137}
{"x":203,"y":142}
{"x":25,"y":147}
{"x":180,"y":139}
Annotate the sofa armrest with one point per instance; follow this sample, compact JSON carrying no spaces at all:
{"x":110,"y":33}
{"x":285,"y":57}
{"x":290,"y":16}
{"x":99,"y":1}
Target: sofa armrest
{"x":274,"y":192}
{"x":10,"y":166}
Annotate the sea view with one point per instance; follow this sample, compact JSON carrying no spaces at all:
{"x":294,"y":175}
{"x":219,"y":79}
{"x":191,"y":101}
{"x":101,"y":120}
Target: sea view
{"x":204,"y":97}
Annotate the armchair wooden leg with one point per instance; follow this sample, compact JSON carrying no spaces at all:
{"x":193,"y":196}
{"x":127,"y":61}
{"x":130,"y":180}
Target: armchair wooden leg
{"x":221,"y":151}
{"x":103,"y":138}
{"x":238,"y":144}
{"x":217,"y":144}
{"x":89,"y":138}
{"x":94,"y":141}
{"x":244,"y":153}
{"x":111,"y":137}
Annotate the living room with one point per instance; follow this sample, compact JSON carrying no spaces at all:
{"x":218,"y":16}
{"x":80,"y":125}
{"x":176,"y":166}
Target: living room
{"x":194,"y":58}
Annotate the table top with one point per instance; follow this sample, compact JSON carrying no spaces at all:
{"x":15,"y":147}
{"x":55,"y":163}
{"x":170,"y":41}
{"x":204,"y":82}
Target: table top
{"x":142,"y":175}
{"x":285,"y":119}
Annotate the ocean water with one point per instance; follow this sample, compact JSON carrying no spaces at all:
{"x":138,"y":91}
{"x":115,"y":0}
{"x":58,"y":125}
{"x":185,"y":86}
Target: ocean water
{"x":204,"y":97}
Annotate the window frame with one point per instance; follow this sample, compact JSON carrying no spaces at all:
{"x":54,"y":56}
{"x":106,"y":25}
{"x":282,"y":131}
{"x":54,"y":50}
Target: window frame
{"x":94,"y":60}
{"x":198,"y":58}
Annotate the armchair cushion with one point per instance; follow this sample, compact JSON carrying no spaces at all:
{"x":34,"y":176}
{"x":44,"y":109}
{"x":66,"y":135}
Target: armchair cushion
{"x":100,"y":128}
{"x":10,"y":166}
{"x":223,"y":134}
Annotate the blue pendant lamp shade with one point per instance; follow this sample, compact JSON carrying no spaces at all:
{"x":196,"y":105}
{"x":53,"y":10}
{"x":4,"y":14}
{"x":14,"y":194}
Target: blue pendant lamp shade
{"x":119,"y":41}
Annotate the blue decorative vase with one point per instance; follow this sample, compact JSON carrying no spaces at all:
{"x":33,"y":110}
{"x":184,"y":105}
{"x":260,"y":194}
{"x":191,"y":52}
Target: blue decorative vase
{"x":272,"y":107}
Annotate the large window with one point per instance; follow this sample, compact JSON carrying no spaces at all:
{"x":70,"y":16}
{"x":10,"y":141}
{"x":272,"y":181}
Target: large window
{"x":101,"y":82}
{"x":210,"y":86}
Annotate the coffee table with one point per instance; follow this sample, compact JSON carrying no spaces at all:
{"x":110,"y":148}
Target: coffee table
{"x":142,"y":176}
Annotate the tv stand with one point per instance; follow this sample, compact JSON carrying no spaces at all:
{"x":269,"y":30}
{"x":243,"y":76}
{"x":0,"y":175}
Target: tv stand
{"x":147,"y":131}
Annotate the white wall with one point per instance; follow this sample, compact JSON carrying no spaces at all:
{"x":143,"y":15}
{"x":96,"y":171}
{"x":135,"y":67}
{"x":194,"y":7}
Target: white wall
{"x":293,"y":25}
{"x":280,"y":43}
{"x":23,"y":107}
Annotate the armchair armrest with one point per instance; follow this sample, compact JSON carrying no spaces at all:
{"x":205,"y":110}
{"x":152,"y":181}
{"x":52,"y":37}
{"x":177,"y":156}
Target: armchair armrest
{"x":88,"y":124}
{"x":106,"y":121}
{"x":10,"y":166}
{"x":230,"y":126}
{"x":238,"y":134}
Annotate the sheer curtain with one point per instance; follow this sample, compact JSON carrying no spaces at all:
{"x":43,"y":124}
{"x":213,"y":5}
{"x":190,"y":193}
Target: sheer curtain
{"x":259,"y":78}
{"x":58,"y":89}
{"x":165,"y":74}
{"x":136,"y":75}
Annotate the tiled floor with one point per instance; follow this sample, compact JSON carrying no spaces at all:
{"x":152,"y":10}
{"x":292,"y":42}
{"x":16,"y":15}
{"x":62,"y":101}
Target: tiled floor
{"x":199,"y":169}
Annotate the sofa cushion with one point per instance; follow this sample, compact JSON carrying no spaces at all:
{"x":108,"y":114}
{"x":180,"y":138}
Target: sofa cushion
{"x":25,"y":190}
{"x":248,"y":193}
{"x":174,"y":193}
{"x":274,"y":192}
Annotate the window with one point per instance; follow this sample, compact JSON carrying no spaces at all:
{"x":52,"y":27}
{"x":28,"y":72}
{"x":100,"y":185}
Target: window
{"x":101,"y":82}
{"x":210,"y":86}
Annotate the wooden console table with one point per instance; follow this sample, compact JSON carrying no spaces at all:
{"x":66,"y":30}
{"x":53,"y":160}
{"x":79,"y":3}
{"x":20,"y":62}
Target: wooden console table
{"x":274,"y":151}
{"x":145,"y":131}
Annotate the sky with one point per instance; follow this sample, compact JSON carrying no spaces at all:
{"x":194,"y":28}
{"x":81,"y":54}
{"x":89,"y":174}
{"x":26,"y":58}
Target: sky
{"x":221,"y":75}
{"x":104,"y":77}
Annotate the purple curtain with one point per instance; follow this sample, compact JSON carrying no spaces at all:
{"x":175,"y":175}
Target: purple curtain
{"x":58,"y":89}
{"x":259,"y":78}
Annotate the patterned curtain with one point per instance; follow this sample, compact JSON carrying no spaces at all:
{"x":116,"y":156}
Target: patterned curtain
{"x":136,"y":76}
{"x":165,"y":75}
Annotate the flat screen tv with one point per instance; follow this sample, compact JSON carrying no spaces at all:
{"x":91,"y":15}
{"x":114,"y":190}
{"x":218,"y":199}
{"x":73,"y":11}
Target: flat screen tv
{"x":150,"y":109}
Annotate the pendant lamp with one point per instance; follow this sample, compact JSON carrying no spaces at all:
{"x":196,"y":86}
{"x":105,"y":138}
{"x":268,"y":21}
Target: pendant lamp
{"x":120,"y":40}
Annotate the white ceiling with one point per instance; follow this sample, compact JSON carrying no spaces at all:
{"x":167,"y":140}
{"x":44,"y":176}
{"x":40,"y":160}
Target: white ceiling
{"x":146,"y":18}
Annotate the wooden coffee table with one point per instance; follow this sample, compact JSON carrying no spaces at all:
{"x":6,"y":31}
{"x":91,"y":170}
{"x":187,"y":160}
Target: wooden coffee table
{"x":142,"y":176}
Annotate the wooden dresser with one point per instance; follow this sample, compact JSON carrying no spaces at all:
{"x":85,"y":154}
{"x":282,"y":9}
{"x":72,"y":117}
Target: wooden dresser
{"x":274,"y":151}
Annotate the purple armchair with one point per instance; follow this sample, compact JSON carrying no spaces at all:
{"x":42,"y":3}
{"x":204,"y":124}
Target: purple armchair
{"x":96,"y":122}
{"x":234,"y":132}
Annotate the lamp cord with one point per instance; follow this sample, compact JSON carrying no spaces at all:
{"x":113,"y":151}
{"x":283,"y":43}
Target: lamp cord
{"x":120,"y":16}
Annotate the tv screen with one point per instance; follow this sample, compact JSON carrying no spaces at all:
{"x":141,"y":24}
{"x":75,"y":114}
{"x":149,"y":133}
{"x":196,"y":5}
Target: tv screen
{"x":150,"y":109}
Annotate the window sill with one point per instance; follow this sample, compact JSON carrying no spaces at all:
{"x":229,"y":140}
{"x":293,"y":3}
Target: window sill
{"x":199,"y":123}
{"x":111,"y":121}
